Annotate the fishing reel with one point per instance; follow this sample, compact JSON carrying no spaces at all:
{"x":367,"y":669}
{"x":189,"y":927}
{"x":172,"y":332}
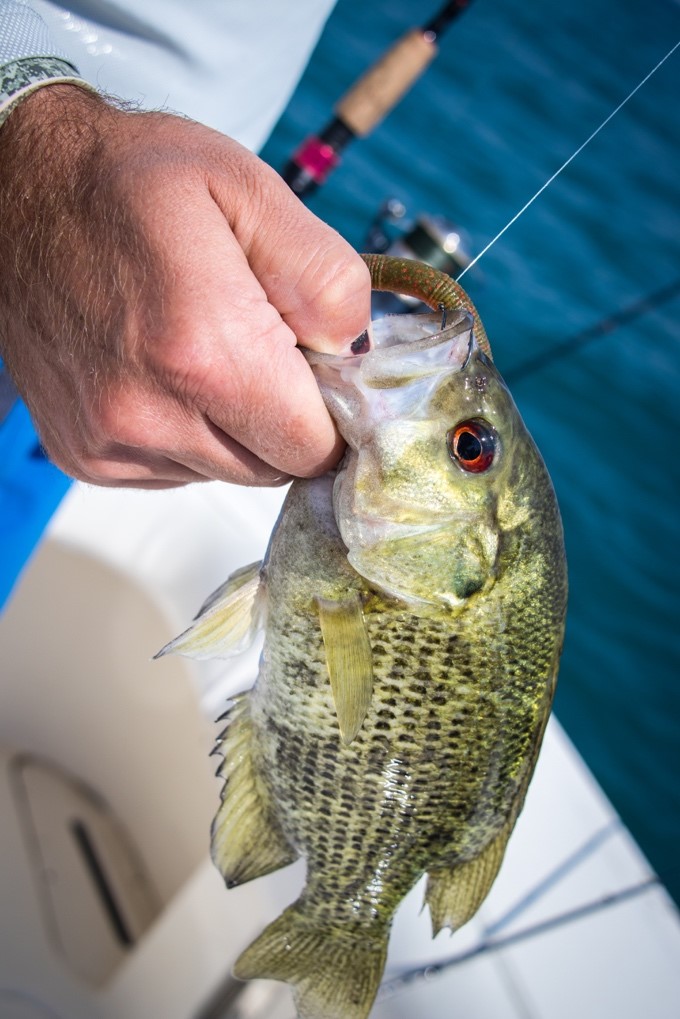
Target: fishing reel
{"x":427,"y":238}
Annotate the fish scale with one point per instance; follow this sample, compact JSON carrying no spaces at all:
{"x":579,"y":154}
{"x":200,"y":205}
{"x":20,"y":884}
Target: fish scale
{"x":414,"y":603}
{"x":388,"y":812}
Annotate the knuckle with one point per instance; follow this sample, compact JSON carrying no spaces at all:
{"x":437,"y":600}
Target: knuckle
{"x":341,"y":297}
{"x":64,"y":447}
{"x":244,"y":184}
{"x":338,"y":272}
{"x":182,"y":364}
{"x":120,"y":418}
{"x":112,"y":424}
{"x":100,"y":471}
{"x":349,"y":278}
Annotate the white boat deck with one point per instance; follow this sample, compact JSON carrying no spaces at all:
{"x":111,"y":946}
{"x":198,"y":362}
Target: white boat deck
{"x":575,"y":926}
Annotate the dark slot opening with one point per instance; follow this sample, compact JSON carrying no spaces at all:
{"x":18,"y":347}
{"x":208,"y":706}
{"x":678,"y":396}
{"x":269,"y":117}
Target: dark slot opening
{"x":94,"y":866}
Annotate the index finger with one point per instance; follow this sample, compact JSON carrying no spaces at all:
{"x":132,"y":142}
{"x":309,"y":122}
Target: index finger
{"x":230,"y":358}
{"x":274,"y":407}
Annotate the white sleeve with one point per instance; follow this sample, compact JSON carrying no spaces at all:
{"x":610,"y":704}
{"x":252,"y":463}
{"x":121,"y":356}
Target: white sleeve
{"x":230,"y":64}
{"x":23,"y":33}
{"x":29,"y":58}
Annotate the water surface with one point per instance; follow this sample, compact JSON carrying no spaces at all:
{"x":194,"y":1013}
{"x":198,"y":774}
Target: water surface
{"x":514,"y":91}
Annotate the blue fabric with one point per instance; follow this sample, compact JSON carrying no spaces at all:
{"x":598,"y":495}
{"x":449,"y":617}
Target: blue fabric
{"x":31,"y":487}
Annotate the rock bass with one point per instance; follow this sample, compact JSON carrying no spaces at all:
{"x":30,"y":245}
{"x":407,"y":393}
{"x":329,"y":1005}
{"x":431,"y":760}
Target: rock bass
{"x":413,"y":605}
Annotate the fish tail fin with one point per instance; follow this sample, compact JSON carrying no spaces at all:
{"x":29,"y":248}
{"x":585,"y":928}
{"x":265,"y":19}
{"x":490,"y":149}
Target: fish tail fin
{"x":335,"y":973}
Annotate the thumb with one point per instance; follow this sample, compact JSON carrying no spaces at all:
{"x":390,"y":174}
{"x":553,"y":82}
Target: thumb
{"x":316,"y":281}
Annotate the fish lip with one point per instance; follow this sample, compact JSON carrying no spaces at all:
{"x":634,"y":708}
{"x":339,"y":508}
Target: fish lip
{"x":463,"y":322}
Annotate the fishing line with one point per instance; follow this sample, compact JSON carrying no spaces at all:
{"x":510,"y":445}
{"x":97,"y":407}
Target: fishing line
{"x":568,"y":161}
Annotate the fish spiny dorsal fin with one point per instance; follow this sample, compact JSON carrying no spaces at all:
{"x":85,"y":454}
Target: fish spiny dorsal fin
{"x":247,"y":840}
{"x":227,"y":621}
{"x":349,"y":660}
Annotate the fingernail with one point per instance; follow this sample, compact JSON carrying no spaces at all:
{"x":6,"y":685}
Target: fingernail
{"x":361,"y":344}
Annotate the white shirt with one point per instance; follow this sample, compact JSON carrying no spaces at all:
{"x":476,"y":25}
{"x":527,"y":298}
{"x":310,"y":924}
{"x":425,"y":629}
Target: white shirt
{"x":231,"y":64}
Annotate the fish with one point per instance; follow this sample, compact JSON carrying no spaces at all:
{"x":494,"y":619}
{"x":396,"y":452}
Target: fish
{"x":413,"y":604}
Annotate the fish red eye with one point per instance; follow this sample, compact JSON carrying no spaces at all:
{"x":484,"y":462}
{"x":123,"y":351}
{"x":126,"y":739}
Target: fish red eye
{"x":472,"y":444}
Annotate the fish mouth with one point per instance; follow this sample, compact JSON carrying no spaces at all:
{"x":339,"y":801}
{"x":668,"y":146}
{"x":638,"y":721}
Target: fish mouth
{"x":403,"y":347}
{"x":408,"y":351}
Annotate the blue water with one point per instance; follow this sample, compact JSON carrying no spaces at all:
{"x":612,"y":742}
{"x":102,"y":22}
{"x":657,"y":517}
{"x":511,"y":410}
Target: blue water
{"x":514,"y":91}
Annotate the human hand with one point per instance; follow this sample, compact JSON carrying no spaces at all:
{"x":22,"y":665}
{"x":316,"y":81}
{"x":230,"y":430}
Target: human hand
{"x":155,"y":278}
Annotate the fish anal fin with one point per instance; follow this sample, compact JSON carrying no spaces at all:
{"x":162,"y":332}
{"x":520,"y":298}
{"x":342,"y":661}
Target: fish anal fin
{"x":335,"y":973}
{"x":350,"y":661}
{"x":227,"y":621}
{"x":454,"y":894}
{"x":246,"y":840}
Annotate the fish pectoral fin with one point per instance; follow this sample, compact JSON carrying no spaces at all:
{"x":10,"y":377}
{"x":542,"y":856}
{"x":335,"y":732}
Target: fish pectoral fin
{"x":235,"y":581}
{"x":350,"y":661}
{"x":227,"y":621}
{"x":246,"y":839}
{"x":454,"y":894}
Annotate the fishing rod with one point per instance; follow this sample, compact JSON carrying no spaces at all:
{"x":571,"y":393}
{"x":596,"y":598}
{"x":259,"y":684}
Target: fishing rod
{"x":368,"y":101}
{"x":602,"y":328}
{"x":400,"y":981}
{"x":408,"y":976}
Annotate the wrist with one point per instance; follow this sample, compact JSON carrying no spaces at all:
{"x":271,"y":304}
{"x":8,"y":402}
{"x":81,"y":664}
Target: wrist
{"x":22,"y":77}
{"x":47,"y":148}
{"x":50,"y":124}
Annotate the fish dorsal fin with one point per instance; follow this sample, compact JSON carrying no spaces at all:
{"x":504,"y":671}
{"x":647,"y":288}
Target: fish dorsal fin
{"x":227,"y":621}
{"x":349,"y":660}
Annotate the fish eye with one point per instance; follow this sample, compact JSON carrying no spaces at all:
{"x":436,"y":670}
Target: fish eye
{"x":472,"y":444}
